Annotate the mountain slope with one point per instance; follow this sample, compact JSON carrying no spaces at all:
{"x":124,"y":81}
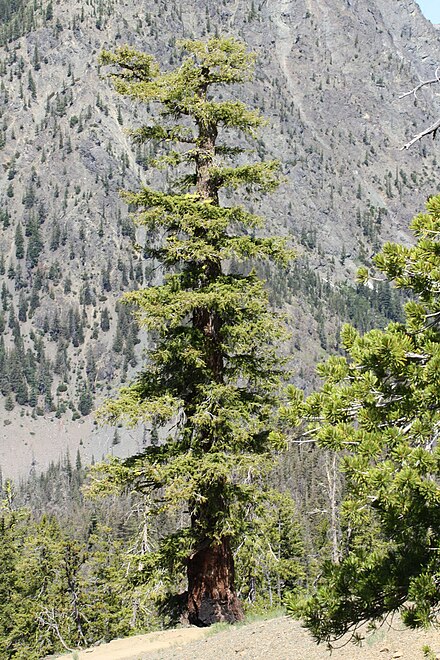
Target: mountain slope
{"x":328,"y":77}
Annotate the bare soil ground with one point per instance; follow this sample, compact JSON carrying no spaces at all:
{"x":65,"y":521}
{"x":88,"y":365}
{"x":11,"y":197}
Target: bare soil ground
{"x":32,"y":444}
{"x":276,"y":639}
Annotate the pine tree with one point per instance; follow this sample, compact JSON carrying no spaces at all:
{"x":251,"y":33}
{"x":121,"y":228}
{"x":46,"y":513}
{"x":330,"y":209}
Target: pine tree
{"x":379,"y":409}
{"x":19,"y":242}
{"x":268,"y":558}
{"x":49,"y":11}
{"x":35,"y":245}
{"x":9,"y":403}
{"x":214,"y":371}
{"x":85,"y":402}
{"x":105,"y":320}
{"x":22,"y":307}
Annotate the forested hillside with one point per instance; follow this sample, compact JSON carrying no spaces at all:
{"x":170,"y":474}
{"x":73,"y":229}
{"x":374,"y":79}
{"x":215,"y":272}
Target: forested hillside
{"x":328,"y":77}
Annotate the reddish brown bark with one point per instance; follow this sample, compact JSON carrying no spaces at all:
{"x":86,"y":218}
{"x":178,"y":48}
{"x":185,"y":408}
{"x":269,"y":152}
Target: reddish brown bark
{"x":211,"y":593}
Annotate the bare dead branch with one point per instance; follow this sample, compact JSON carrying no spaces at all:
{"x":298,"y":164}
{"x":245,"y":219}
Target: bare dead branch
{"x":51,"y":622}
{"x":431,"y":130}
{"x":423,"y":83}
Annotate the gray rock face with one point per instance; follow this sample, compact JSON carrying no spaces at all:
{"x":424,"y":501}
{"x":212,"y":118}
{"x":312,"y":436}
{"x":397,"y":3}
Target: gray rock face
{"x":329,"y":77}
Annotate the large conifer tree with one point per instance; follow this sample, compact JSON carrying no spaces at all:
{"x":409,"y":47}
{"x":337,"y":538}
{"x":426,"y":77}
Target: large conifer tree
{"x":212,"y":379}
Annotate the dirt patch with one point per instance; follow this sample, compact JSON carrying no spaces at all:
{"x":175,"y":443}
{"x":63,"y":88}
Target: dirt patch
{"x":277,"y":639}
{"x":141,"y":646}
{"x":284,"y":639}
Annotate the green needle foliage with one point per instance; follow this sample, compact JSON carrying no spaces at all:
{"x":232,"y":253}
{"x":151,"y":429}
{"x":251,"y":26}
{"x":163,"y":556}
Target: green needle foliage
{"x":212,"y":380}
{"x":57,"y":593}
{"x":380,"y":410}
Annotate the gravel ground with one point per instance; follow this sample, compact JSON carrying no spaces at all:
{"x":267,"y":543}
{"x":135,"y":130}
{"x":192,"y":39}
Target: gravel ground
{"x":284,"y":639}
{"x":276,"y":639}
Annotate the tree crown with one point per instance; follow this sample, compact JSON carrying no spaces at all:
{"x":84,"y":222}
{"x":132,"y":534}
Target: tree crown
{"x":212,"y":379}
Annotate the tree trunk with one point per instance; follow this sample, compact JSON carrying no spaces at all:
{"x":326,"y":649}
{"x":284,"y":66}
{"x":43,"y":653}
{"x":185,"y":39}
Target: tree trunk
{"x":211,"y":593}
{"x":332,"y":481}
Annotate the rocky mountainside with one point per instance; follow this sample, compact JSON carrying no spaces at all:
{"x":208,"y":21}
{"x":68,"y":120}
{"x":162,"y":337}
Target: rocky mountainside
{"x":329,"y":76}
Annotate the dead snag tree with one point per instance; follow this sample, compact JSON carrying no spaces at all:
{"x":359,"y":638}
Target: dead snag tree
{"x":212,"y":380}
